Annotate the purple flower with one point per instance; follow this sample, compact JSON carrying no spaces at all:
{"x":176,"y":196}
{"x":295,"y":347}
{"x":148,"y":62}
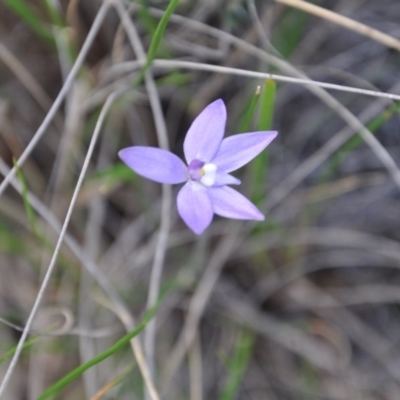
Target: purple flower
{"x":209,"y":159}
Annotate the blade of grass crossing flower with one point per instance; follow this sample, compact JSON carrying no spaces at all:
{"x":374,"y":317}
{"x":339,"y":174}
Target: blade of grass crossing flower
{"x":157,"y":38}
{"x":356,"y":141}
{"x":22,"y":9}
{"x":259,"y":167}
{"x":248,"y":115}
{"x":237,"y":365}
{"x":77,"y":372}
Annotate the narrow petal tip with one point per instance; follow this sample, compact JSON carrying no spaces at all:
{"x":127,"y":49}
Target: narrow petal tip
{"x":259,"y":216}
{"x":219,"y":103}
{"x":229,"y":203}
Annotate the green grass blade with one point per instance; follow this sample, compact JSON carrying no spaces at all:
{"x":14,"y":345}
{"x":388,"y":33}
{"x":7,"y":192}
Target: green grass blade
{"x":289,"y":31}
{"x":54,"y":13}
{"x":11,"y":352}
{"x":248,"y":115}
{"x":145,"y":17}
{"x":267,"y":105}
{"x":77,"y":372}
{"x":150,"y":24}
{"x":157,"y":38}
{"x":237,"y":365}
{"x":14,"y":244}
{"x":28,"y":208}
{"x":9,"y":242}
{"x":259,"y":167}
{"x":356,"y":141}
{"x":158,"y":35}
{"x":22,"y":9}
{"x":111,"y":176}
{"x":173,"y":77}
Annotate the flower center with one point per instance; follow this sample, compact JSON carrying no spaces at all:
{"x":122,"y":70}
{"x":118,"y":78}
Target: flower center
{"x":205,"y":173}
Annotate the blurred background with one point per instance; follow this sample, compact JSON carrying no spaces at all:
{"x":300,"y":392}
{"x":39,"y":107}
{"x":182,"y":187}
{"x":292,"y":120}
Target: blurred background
{"x":304,"y":305}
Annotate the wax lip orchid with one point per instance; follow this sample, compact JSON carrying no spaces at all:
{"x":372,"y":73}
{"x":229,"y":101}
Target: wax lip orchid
{"x":210,"y":159}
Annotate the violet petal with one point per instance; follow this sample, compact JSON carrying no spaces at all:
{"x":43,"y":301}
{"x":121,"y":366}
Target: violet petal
{"x":229,"y":203}
{"x":222,"y":178}
{"x":195,"y":207}
{"x":237,"y":150}
{"x":156,"y":164}
{"x":206,"y":132}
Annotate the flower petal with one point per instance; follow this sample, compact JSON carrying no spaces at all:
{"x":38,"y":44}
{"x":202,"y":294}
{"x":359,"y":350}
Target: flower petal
{"x":156,"y":164}
{"x":195,"y":207}
{"x":237,"y":150}
{"x":206,"y":132}
{"x":222,"y":178}
{"x":229,"y":203}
